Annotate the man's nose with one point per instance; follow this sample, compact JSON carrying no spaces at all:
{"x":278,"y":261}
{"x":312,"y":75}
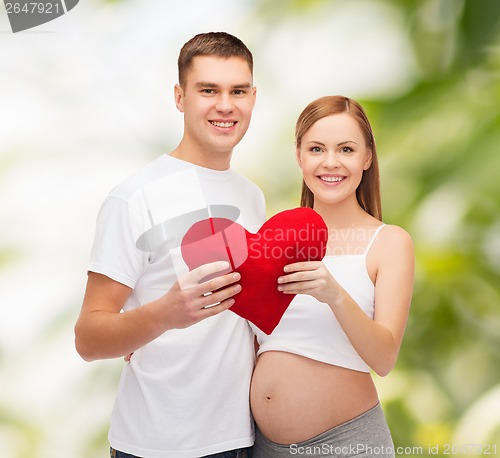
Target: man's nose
{"x":224,"y":103}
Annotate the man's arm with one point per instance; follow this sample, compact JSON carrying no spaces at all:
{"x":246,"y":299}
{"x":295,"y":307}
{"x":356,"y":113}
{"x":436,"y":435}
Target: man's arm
{"x":103,"y":331}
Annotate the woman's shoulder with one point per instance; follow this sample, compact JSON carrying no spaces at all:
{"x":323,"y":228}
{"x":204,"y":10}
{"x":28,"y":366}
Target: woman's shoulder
{"x":392,"y":230}
{"x":395,"y":238}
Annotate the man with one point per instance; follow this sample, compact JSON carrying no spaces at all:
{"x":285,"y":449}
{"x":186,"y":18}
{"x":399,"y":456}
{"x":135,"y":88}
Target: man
{"x":185,"y":390}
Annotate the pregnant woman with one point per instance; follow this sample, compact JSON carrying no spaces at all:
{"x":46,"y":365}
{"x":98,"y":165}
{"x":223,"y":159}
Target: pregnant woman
{"x":312,"y":392}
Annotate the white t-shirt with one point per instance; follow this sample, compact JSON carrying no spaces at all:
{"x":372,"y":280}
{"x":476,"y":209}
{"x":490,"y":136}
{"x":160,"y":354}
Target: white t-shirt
{"x":185,"y":394}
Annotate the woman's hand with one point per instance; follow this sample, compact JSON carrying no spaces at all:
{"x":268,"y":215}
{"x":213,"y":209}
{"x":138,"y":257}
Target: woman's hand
{"x":309,"y":277}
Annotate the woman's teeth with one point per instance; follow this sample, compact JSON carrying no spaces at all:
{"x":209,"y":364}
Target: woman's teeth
{"x":331,"y":179}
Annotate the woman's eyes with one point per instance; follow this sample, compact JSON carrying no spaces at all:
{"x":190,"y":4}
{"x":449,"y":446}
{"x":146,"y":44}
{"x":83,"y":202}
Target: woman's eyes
{"x":343,"y":149}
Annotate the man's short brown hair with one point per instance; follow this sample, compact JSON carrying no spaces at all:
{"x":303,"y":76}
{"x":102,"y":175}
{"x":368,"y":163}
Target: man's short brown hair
{"x":220,"y":44}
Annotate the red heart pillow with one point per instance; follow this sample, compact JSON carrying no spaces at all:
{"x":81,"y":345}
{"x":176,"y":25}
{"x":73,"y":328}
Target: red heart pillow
{"x":289,"y":236}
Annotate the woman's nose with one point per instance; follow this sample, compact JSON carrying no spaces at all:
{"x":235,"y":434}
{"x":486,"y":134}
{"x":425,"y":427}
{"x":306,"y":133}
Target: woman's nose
{"x":331,"y":160}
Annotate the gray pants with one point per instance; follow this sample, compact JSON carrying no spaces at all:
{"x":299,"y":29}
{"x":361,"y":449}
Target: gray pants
{"x":364,"y":436}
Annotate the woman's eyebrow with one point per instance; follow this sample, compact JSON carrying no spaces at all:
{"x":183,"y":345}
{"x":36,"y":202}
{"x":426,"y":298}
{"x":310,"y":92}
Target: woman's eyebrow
{"x":338,"y":144}
{"x":315,"y":142}
{"x":346,"y":141}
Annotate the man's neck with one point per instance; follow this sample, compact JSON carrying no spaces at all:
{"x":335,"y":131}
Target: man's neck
{"x":202,"y":159}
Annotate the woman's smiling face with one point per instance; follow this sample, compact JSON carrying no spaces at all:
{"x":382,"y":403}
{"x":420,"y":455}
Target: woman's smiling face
{"x":333,"y":156}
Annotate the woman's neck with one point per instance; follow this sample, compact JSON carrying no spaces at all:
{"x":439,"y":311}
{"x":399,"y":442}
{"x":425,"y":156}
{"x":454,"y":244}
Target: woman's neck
{"x":343,"y":215}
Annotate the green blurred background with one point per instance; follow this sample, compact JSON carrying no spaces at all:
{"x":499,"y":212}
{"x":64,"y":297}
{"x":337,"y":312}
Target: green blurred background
{"x":88,"y":98}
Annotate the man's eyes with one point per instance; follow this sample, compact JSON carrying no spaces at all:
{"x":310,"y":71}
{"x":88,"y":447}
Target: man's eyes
{"x":210,"y":91}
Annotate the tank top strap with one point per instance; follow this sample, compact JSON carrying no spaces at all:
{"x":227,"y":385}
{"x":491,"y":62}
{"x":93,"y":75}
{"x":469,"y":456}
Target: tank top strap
{"x":372,"y":240}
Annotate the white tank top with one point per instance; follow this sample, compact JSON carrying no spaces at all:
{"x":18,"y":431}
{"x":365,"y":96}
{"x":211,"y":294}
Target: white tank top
{"x":309,"y":328}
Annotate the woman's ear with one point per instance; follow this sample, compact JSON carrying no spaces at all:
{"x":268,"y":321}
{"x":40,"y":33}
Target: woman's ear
{"x":368,"y":161}
{"x":179,"y":97}
{"x":297,"y":156}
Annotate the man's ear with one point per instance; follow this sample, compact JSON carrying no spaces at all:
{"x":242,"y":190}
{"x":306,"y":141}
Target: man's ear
{"x":179,"y":97}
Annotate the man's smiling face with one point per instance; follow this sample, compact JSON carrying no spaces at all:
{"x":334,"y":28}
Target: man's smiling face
{"x":217,"y":100}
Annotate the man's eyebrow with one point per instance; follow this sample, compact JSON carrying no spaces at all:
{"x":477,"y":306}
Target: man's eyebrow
{"x":206,"y":84}
{"x":214,"y":85}
{"x":242,"y":86}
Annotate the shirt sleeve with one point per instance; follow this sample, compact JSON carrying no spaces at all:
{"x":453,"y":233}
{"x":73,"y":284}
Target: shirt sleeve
{"x":114,"y":252}
{"x":262,"y":207}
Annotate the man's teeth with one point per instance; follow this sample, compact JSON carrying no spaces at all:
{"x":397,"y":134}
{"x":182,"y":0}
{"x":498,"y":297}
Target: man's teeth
{"x":222,"y":124}
{"x":332,"y":179}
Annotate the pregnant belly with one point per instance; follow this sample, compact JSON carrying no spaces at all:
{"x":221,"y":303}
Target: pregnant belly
{"x":295,"y":398}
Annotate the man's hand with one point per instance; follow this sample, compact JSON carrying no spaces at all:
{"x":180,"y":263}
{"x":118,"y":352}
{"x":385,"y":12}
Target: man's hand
{"x":103,"y":332}
{"x":189,"y":301}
